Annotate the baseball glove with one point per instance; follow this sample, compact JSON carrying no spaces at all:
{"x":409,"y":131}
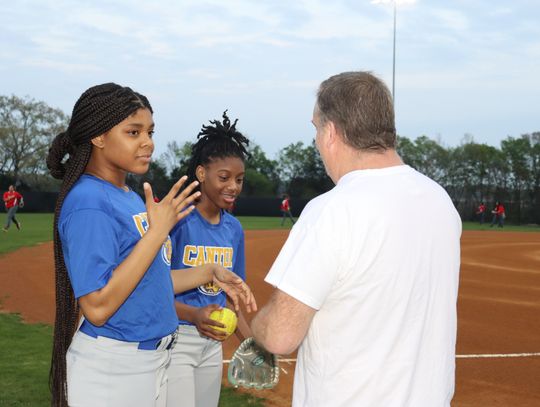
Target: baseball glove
{"x":253,"y":367}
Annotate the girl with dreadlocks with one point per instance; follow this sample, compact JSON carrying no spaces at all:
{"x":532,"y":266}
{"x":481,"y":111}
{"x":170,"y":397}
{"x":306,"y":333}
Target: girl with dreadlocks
{"x":208,"y":235}
{"x":112,"y":257}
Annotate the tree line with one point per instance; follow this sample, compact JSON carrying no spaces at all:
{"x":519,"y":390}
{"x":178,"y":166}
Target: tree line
{"x":471,"y":172}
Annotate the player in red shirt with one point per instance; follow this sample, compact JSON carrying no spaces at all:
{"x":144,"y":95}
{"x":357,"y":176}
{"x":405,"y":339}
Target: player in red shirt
{"x":481,"y":212}
{"x":286,"y":209}
{"x":12,"y":200}
{"x":499,"y":214}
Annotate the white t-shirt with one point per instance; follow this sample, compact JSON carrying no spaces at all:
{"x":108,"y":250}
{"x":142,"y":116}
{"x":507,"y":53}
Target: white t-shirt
{"x":378,"y":258}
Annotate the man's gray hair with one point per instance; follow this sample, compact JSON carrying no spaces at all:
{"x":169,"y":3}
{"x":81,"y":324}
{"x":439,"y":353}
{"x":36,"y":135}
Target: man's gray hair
{"x":361,"y":107}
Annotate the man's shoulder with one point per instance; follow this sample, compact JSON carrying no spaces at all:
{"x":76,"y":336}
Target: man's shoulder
{"x":327,"y":201}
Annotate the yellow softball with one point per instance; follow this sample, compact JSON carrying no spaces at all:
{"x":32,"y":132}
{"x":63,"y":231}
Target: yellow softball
{"x":227,"y":317}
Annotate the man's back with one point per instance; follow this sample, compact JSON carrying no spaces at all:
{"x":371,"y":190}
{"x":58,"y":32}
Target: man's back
{"x":384,"y":277}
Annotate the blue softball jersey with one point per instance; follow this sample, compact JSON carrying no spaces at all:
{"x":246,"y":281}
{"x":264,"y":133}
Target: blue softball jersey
{"x":99,"y":226}
{"x":195,"y":242}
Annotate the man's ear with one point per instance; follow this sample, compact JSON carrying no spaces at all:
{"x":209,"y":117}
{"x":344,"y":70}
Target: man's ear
{"x":98,"y":141}
{"x":200,"y":173}
{"x":332,"y":133}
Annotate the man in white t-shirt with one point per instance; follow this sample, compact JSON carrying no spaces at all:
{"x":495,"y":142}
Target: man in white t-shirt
{"x":366,"y":284}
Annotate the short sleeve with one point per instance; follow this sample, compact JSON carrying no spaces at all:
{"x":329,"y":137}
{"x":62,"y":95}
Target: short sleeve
{"x":239,"y":266}
{"x":176,"y":257}
{"x":91,"y":249}
{"x":307,"y":266}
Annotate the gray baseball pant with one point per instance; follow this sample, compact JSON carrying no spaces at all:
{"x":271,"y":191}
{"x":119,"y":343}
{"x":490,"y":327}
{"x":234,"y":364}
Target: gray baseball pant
{"x":194,"y":372}
{"x":11,"y":217}
{"x":110,"y":373}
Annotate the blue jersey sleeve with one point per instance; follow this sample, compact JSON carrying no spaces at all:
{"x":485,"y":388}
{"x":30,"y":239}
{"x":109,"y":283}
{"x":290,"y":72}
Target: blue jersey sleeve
{"x":176,"y":257}
{"x":239,"y":266}
{"x":88,"y":241}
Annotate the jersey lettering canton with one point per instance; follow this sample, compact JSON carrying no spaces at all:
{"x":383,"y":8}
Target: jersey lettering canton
{"x":196,"y":242}
{"x":99,"y":226}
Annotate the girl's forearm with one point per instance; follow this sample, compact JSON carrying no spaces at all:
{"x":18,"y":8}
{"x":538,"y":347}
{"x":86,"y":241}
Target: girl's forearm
{"x":98,"y":306}
{"x":186,"y":279}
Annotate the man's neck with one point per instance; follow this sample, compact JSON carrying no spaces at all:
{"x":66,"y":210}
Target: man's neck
{"x":353,"y":160}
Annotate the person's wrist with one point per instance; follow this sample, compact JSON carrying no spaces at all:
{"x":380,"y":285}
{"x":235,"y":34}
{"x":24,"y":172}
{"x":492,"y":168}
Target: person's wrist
{"x":214,"y":269}
{"x":156,"y":235}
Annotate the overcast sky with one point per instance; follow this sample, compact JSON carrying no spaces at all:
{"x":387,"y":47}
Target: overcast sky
{"x":464,"y":66}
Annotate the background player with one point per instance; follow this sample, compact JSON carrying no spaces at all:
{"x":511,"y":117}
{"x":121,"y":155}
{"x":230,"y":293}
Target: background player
{"x":285,"y":209}
{"x":112,"y":257}
{"x":481,"y":212}
{"x":208,"y":235}
{"x":499,"y":215}
{"x":12,"y":201}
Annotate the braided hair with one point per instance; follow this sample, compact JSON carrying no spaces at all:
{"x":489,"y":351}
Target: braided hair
{"x":215,"y":141}
{"x":99,"y":109}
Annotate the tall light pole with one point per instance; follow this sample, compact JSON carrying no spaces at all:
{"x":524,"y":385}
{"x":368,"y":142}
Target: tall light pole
{"x":394,"y":3}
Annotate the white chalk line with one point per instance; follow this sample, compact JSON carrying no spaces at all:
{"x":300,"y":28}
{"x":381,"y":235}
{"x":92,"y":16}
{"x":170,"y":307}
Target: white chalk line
{"x":478,"y":356}
{"x":280,"y":359}
{"x":499,"y":355}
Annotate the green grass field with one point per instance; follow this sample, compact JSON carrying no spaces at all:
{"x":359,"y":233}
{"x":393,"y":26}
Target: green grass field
{"x":263,"y":222}
{"x":37,"y":228}
{"x":25,"y":360}
{"x":506,"y":228}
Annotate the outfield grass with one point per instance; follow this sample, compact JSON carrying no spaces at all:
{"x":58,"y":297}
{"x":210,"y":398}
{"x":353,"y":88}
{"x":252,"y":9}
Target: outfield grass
{"x":506,"y":228}
{"x":37,"y":228}
{"x":24,"y":359}
{"x":263,"y":222}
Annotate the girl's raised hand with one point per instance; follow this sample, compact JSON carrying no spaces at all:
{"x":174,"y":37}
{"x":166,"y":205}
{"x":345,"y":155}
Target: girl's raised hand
{"x":163,"y":215}
{"x":235,"y":288}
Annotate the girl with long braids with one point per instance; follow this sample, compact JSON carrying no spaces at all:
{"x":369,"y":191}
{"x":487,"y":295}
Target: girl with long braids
{"x":112,"y":258}
{"x":208,"y":235}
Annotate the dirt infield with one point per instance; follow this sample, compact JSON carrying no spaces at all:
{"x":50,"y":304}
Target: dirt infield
{"x":498,"y":309}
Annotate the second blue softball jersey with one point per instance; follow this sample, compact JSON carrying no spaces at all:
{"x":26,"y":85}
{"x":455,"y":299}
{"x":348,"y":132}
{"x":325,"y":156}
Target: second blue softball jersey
{"x":196,"y":241}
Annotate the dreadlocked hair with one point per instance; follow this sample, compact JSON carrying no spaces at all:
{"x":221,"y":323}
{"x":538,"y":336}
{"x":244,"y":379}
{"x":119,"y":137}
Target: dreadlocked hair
{"x":98,"y":110}
{"x":215,"y":141}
